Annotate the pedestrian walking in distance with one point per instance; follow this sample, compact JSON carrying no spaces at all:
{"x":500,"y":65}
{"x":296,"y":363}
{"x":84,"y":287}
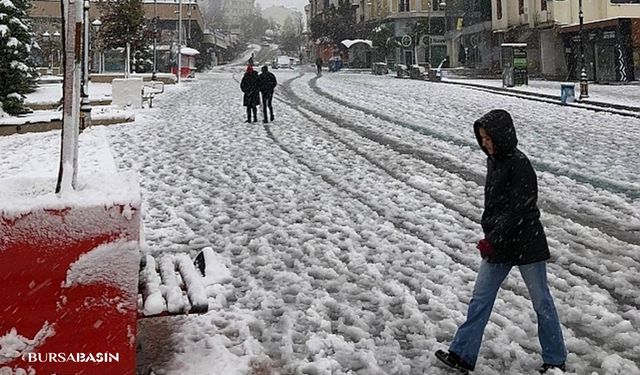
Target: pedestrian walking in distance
{"x":319,"y":65}
{"x":250,"y":86}
{"x":513,"y":237}
{"x":268,"y":83}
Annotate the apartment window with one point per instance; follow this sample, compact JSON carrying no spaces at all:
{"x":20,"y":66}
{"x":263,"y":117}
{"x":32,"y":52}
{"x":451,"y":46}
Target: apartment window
{"x":625,"y":1}
{"x":404,"y":5}
{"x":499,"y":9}
{"x":520,"y":6}
{"x":543,"y":4}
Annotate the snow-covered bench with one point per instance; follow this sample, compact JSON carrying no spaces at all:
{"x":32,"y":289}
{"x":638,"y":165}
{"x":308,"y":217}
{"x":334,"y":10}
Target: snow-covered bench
{"x":150,"y":90}
{"x":173,"y":284}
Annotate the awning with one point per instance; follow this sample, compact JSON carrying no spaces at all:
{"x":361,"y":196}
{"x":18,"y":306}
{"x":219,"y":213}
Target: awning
{"x":187,"y":51}
{"x":349,"y":42}
{"x":599,"y":24}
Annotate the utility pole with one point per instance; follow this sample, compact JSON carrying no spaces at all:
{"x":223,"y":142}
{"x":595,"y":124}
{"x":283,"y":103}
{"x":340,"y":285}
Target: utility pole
{"x":72,"y":13}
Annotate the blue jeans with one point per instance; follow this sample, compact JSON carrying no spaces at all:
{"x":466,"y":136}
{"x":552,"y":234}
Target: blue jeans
{"x":466,"y":342}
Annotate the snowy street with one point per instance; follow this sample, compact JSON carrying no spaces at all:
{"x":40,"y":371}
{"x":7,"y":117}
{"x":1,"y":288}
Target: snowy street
{"x":349,"y":225}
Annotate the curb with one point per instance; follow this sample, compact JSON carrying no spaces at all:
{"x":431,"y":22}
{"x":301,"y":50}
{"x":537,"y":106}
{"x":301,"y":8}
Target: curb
{"x":45,"y":126}
{"x":555,"y":99}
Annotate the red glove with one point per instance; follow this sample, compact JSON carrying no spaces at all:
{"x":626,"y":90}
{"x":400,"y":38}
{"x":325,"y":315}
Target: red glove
{"x":485,"y":247}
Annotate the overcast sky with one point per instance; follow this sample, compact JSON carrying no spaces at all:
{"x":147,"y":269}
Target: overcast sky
{"x":298,"y":4}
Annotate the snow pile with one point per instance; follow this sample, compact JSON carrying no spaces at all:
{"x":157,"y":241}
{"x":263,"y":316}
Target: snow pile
{"x":114,"y":264}
{"x":13,"y":345}
{"x":30,"y":168}
{"x":216,"y":272}
{"x":154,"y":303}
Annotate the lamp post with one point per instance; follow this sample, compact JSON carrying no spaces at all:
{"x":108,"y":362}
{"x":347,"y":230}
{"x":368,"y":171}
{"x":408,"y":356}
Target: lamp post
{"x":55,"y":40}
{"x":179,"y":39}
{"x":155,"y":40}
{"x":443,"y":6}
{"x":430,"y":6}
{"x":47,"y":38}
{"x":189,"y":27}
{"x":95,"y":26}
{"x":85,"y":104}
{"x":584,"y":83}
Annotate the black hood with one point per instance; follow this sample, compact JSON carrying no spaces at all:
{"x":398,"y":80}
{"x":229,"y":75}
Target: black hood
{"x":499,"y":126}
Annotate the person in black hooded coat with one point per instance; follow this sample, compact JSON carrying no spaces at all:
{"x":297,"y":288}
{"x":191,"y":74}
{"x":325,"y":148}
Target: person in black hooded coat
{"x":513,"y":237}
{"x":250,"y":86}
{"x":268,"y":83}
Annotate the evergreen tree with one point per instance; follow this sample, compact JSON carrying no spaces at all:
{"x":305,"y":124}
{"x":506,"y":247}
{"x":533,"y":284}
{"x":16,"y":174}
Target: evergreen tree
{"x":253,"y":25}
{"x":337,"y":24}
{"x":291,"y":36}
{"x":17,"y":73}
{"x":123,"y":21}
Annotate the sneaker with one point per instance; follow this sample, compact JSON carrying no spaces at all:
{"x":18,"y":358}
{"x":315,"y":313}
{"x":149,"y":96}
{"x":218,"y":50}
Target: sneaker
{"x":546,"y":367}
{"x":271,"y":117}
{"x":265,"y":121}
{"x":454,"y":361}
{"x":249,"y":121}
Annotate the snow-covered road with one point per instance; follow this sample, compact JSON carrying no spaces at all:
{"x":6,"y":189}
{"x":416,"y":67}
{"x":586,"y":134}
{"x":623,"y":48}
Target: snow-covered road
{"x":349,"y":226}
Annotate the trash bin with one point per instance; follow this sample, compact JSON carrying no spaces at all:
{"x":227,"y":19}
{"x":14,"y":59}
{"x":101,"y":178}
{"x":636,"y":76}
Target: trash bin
{"x":567,"y":93}
{"x":508,"y":77}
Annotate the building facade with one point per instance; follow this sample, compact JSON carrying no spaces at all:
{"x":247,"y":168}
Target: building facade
{"x":165,"y":13}
{"x":424,"y":32}
{"x":551,"y":30}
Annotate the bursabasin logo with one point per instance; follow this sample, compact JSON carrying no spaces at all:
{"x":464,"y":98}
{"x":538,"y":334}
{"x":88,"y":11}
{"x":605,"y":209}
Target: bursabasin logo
{"x":71,"y":357}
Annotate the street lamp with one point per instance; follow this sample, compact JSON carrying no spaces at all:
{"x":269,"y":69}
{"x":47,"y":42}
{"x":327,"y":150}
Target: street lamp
{"x":189,"y":29}
{"x":95,"y":26}
{"x":179,"y":39}
{"x":55,"y":40}
{"x":155,"y":40}
{"x":430,"y":6}
{"x":85,"y":104}
{"x":584,"y":83}
{"x":47,"y":38}
{"x":443,"y":6}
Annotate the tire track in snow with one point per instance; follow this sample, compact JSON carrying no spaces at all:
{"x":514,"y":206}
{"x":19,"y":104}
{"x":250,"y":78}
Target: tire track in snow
{"x":499,"y":319}
{"x":623,"y":301}
{"x":583,"y":269}
{"x":623,"y":304}
{"x":610,"y":229}
{"x":539,"y":165}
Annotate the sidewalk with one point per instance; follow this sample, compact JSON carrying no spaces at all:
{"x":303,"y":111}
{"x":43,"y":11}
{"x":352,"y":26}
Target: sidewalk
{"x":627,"y":95}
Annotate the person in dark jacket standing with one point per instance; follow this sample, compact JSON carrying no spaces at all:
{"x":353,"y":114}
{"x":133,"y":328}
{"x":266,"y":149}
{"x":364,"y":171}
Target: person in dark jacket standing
{"x":513,"y":237}
{"x":250,"y":86}
{"x":319,"y":65}
{"x":268,"y":83}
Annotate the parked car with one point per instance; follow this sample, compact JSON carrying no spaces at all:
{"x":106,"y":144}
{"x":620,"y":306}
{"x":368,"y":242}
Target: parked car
{"x":283,"y":62}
